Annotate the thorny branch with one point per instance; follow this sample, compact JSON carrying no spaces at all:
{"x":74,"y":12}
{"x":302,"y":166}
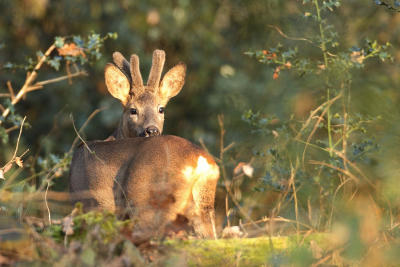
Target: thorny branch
{"x":30,"y":85}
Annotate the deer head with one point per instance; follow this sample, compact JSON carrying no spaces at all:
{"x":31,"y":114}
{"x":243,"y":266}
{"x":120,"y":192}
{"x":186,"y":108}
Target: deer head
{"x":143,"y":105}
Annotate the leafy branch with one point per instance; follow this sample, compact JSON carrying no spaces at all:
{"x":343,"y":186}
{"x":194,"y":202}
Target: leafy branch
{"x":394,"y":7}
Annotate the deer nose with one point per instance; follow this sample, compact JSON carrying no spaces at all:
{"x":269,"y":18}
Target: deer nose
{"x":152,"y":131}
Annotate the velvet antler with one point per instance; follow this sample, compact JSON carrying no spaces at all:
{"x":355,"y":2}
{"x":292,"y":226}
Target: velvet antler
{"x":156,"y":69}
{"x":137,"y":80}
{"x":122,"y":64}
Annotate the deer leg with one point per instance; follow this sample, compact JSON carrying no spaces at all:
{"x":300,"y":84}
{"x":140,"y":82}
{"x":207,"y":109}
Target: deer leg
{"x":203,"y":193}
{"x":105,"y":200}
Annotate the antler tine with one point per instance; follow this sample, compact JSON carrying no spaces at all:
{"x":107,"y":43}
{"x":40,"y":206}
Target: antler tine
{"x":156,"y":68}
{"x":135,"y":72}
{"x":122,"y":64}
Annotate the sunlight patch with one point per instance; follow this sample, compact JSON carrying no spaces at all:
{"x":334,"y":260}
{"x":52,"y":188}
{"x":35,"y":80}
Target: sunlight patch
{"x":203,"y":169}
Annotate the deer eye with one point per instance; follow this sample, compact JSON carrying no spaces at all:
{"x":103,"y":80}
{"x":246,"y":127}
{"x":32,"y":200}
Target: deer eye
{"x":133,"y":111}
{"x":161,"y":110}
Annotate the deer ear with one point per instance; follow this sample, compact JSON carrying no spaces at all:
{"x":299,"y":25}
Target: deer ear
{"x":172,"y":82}
{"x":117,"y":83}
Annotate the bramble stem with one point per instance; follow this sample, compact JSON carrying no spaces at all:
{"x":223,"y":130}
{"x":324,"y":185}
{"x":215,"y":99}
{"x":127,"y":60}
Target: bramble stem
{"x":328,"y":114}
{"x":322,"y":33}
{"x":325,"y":55}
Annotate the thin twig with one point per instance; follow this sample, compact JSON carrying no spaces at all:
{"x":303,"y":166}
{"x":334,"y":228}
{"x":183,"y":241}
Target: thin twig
{"x":354,"y":166}
{"x":328,"y":104}
{"x":12,"y":128}
{"x":279,"y":219}
{"x":333,"y":201}
{"x":312,"y":115}
{"x":229,"y":146}
{"x":9,"y":164}
{"x":58,"y":79}
{"x":84,"y":142}
{"x":78,"y":135}
{"x":290,"y":38}
{"x":11,"y":90}
{"x":349,"y":174}
{"x":19,"y":137}
{"x":45,"y":201}
{"x":296,"y":208}
{"x":91,"y":116}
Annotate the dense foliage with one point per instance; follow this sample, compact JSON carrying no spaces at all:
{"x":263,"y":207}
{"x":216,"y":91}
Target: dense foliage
{"x":297,"y":100}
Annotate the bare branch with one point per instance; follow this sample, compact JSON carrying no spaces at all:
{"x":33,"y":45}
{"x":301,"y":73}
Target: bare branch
{"x":29,"y":80}
{"x":11,"y":129}
{"x":39,"y":85}
{"x":11,"y":90}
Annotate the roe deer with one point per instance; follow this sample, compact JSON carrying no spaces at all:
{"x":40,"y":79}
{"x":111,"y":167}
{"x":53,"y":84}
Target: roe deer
{"x":144,"y":105}
{"x":162,"y":181}
{"x":165,"y":182}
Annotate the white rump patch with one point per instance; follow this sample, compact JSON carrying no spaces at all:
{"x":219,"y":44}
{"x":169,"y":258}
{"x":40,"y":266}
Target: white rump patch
{"x":203,"y":170}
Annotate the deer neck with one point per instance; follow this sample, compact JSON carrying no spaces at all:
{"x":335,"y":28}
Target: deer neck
{"x":122,"y":131}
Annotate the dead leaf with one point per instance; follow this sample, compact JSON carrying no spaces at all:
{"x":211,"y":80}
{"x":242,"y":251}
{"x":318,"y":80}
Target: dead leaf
{"x":67,"y":225}
{"x":248,"y":170}
{"x":357,"y":57}
{"x":276,"y":73}
{"x":244,"y":168}
{"x":19,"y":162}
{"x":288,"y":65}
{"x":58,"y":172}
{"x":71,"y":50}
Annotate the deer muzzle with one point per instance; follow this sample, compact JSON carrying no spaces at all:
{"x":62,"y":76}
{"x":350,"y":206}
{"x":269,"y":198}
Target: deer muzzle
{"x":151,"y":131}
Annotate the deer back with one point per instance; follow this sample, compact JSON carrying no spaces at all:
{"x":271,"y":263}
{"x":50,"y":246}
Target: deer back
{"x":163,"y":181}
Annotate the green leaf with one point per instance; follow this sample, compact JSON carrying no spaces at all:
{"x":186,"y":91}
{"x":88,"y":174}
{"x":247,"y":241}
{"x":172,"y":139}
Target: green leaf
{"x":8,"y":65}
{"x":3,"y":135}
{"x":112,"y":35}
{"x":78,"y":41}
{"x":39,"y":54}
{"x":55,"y":62}
{"x":59,"y":42}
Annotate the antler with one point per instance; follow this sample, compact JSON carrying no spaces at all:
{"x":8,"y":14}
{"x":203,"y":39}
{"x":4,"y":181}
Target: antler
{"x":137,"y":80}
{"x":122,"y":64}
{"x":156,"y":68}
{"x":132,"y":70}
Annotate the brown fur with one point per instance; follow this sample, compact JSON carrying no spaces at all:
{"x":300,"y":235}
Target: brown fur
{"x":161,"y":181}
